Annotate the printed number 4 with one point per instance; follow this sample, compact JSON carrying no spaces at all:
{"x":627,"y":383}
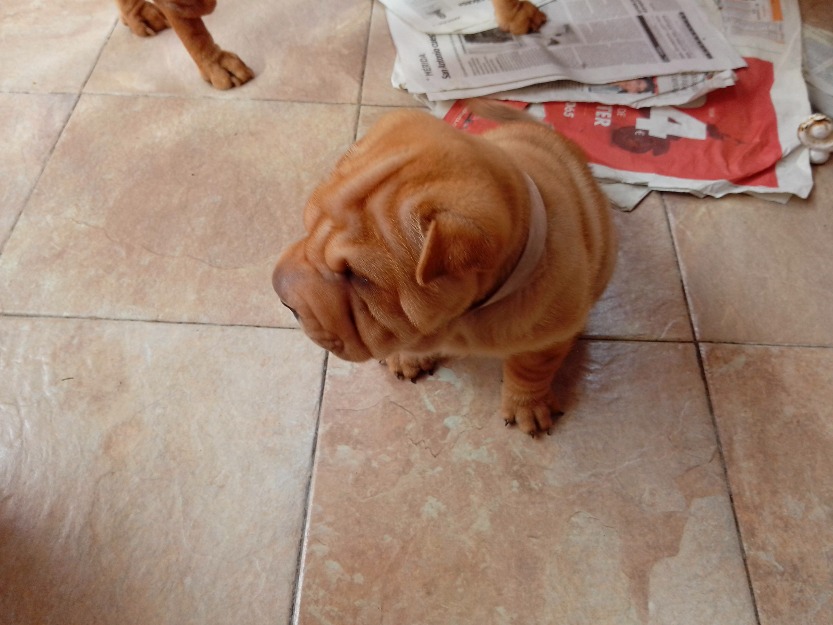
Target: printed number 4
{"x":665,"y":121}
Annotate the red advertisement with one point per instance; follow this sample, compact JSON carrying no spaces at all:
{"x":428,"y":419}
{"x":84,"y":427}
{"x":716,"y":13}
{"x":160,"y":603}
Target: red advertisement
{"x":733,"y":136}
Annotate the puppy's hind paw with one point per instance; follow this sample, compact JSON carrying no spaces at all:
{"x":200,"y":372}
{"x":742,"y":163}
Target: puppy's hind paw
{"x":144,"y":19}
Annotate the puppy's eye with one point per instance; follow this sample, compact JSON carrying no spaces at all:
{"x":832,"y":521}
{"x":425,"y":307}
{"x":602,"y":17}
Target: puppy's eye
{"x":354,"y":278}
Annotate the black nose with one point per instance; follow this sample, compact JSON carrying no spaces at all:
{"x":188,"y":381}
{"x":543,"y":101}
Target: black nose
{"x":292,"y":310}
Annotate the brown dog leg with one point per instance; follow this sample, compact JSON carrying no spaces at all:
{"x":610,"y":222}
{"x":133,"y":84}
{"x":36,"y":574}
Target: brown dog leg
{"x":528,"y":399}
{"x":518,"y":17}
{"x":222,"y":69}
{"x":143,"y":18}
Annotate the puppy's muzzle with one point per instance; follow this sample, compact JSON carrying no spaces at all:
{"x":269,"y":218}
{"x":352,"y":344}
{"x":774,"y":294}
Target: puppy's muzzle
{"x":282,"y":283}
{"x":292,"y":310}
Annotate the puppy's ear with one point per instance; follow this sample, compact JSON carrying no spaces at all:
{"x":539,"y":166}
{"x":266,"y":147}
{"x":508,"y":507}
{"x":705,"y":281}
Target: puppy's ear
{"x":452,"y":246}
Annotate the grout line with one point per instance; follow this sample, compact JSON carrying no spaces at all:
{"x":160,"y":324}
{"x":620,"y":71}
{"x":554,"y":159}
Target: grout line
{"x":698,"y":349}
{"x":218,"y":98}
{"x":674,"y":246}
{"x":584,"y":337}
{"x":360,"y":98}
{"x":612,"y":338}
{"x":297,"y":586}
{"x":738,"y":528}
{"x":45,"y":163}
{"x":356,"y":117}
{"x":100,"y":52}
{"x":60,"y":133}
{"x":55,"y":317}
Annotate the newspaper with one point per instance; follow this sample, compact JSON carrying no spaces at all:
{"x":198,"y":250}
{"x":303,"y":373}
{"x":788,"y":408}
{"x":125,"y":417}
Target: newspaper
{"x":613,"y":42}
{"x":672,"y":90}
{"x":742,"y":139}
{"x":447,"y":16}
{"x":818,"y":67}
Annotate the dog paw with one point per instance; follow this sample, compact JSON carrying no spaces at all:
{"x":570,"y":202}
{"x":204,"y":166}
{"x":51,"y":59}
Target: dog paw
{"x":225,"y":70}
{"x":526,"y":18}
{"x":532,"y":415}
{"x":145,"y":20}
{"x":412,"y":367}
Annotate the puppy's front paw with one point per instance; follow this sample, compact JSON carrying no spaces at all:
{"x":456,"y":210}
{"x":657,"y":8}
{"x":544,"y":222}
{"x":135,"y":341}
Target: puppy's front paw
{"x":524,"y":18}
{"x":225,"y":70}
{"x":532,"y":415}
{"x":412,"y":367}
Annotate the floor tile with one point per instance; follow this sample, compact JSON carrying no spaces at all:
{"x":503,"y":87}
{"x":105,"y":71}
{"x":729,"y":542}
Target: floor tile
{"x":427,"y":510}
{"x":645,"y":298}
{"x":51,"y":46}
{"x":376,"y":87}
{"x":756,"y":271}
{"x":774,"y":410}
{"x":306,"y":51}
{"x":134,"y":218}
{"x":145,"y":479}
{"x":29,"y":128}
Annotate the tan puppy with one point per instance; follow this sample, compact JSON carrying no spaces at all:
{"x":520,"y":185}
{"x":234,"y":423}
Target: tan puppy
{"x":222,"y":69}
{"x":420,"y":246}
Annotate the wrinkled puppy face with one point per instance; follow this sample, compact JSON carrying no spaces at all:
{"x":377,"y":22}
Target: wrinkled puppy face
{"x":400,"y":239}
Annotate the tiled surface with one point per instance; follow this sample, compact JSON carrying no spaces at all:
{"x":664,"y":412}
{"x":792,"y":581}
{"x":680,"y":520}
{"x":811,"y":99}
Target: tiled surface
{"x":759,"y":272}
{"x":29,"y":128}
{"x":125,"y":236}
{"x":161,"y":417}
{"x":144,"y":479}
{"x":51,"y":47}
{"x":774,"y":409}
{"x":427,"y":508}
{"x":646,"y":256}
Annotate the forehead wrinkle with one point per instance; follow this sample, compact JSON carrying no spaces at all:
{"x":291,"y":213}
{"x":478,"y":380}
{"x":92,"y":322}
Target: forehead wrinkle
{"x":359,"y":177}
{"x":384,"y":209}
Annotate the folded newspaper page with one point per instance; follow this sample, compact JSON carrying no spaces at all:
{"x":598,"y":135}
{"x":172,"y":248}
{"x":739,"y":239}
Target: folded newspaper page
{"x":447,"y":16}
{"x":620,"y":41}
{"x":818,"y":67}
{"x":672,"y":90}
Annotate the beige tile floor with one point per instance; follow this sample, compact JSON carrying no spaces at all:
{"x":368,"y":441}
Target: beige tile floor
{"x":173,"y":450}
